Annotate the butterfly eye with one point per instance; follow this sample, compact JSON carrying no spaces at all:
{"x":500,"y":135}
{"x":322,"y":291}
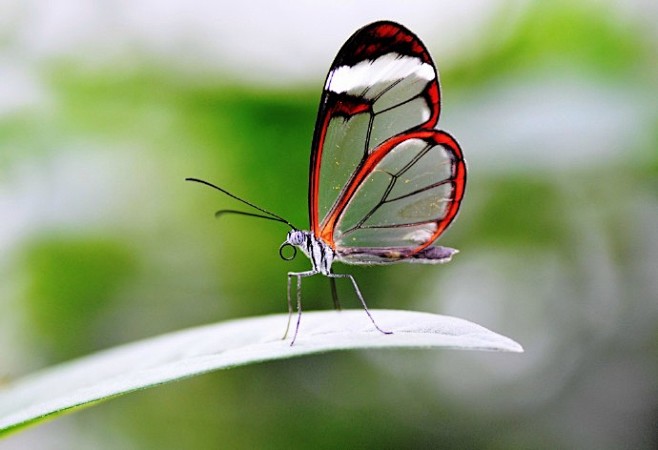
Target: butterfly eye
{"x":295,"y":237}
{"x":289,"y":257}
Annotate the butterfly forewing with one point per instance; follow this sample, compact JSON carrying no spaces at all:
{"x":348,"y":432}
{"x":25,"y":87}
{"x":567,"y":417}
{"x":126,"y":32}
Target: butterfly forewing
{"x":381,"y":176}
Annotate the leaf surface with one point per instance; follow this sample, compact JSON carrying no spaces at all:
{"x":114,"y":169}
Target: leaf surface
{"x":194,"y":351}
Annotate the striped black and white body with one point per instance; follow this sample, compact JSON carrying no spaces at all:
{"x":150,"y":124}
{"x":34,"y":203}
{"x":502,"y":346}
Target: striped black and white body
{"x":320,"y":254}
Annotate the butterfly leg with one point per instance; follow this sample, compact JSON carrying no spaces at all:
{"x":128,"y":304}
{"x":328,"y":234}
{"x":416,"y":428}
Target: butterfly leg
{"x":299,"y":276}
{"x":358,"y":294}
{"x":334,"y":294}
{"x":285,"y":335}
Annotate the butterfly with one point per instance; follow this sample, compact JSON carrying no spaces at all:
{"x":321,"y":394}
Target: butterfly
{"x":384,"y":182}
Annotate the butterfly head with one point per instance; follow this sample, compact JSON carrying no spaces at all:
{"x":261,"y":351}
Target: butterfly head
{"x":294,"y":238}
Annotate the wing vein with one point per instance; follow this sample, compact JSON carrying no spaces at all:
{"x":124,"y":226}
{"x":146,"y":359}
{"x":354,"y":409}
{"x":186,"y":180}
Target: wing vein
{"x":421,"y":190}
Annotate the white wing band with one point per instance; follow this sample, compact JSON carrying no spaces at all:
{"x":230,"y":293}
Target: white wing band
{"x":385,"y":70}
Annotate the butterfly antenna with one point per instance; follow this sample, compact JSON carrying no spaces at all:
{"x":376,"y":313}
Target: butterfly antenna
{"x":269,"y":216}
{"x":221,"y":212}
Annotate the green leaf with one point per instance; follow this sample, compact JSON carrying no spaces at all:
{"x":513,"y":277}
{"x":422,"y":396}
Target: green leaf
{"x":199,"y":350}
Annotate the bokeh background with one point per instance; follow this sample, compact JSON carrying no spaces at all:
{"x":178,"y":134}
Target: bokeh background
{"x":106,"y":106}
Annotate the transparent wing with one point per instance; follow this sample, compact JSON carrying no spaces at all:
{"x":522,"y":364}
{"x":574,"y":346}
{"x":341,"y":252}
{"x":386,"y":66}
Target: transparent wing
{"x":384,"y":183}
{"x":403,"y":198}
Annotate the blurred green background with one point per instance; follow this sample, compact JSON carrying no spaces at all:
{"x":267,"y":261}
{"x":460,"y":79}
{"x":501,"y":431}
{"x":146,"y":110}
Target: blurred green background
{"x":105,"y":108}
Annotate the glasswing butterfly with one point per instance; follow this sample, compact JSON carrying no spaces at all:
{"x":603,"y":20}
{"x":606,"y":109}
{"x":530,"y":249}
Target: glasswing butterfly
{"x":384,"y":183}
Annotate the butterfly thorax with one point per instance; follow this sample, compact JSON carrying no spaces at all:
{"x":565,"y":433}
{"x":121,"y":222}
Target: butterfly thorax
{"x":318,"y":251}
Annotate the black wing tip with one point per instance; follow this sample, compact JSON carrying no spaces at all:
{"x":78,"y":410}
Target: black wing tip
{"x":377,"y":38}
